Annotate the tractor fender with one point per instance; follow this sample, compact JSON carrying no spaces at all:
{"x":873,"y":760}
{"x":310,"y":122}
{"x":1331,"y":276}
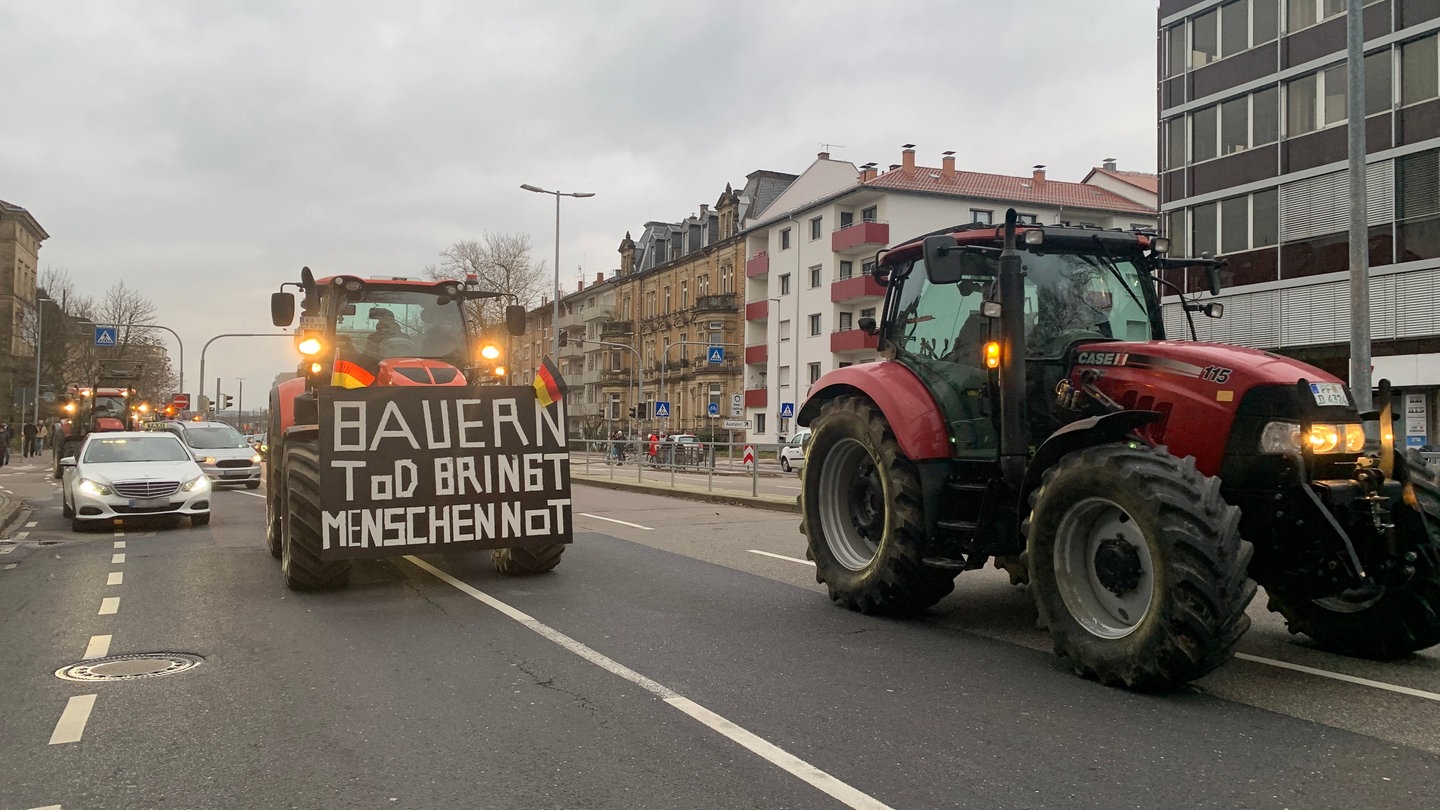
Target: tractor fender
{"x":1111,"y":427}
{"x":911,"y":411}
{"x":282,"y":401}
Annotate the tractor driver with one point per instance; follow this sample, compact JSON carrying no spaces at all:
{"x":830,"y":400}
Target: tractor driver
{"x":387,"y":340}
{"x":444,"y":335}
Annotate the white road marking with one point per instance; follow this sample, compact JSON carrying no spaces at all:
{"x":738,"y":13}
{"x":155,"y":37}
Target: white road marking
{"x":786,"y":486}
{"x":769,"y":752}
{"x":116,"y":578}
{"x":48,"y":807}
{"x":109,"y":606}
{"x":71,"y":726}
{"x":11,"y":565}
{"x":254,"y":494}
{"x":119,"y":532}
{"x":8,"y":549}
{"x":21,"y":535}
{"x":621,"y":522}
{"x":1389,"y":687}
{"x":779,"y":557}
{"x":99,"y":647}
{"x":30,"y":525}
{"x":119,"y":544}
{"x":116,"y":559}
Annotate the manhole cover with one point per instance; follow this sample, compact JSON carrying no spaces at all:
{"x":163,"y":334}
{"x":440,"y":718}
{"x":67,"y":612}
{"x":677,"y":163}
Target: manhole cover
{"x":129,"y":667}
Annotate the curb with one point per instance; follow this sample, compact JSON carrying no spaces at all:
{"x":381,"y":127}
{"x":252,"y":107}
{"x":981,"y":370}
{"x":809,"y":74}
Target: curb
{"x":12,"y":509}
{"x":769,"y":504}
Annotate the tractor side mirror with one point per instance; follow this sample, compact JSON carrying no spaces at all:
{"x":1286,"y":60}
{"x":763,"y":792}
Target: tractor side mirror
{"x":942,"y":259}
{"x":282,"y":308}
{"x":869,"y":327}
{"x":1212,"y":275}
{"x":515,"y":319}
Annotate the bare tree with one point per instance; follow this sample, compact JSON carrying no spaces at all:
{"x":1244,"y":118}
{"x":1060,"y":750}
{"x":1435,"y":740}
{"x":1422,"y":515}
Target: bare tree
{"x":129,"y":313}
{"x":500,"y":262}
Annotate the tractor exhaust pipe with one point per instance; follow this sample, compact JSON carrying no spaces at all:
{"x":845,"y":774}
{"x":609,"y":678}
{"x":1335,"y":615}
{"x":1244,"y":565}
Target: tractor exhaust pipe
{"x":1014,"y":430}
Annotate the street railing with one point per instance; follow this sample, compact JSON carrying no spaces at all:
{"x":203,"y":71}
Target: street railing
{"x":605,"y":458}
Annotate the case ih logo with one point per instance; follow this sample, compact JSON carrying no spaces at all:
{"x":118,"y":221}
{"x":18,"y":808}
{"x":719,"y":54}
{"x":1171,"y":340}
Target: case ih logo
{"x":1101,"y":358}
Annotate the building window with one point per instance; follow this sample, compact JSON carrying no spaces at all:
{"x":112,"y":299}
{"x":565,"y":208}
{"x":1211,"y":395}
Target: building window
{"x":1378,"y":97}
{"x":1204,"y":39}
{"x":1265,"y":218}
{"x":1234,"y":224}
{"x":1417,"y":193}
{"x":814,"y":324}
{"x":759,"y":421}
{"x":813,"y":370}
{"x":870,"y":214}
{"x":684,"y":295}
{"x":1202,"y":134}
{"x":784,"y":283}
{"x":815,"y":276}
{"x":1202,"y":228}
{"x":846,"y":321}
{"x":1265,"y":114}
{"x":868,"y":312}
{"x":1174,"y":38}
{"x":667,"y":300}
{"x":867,"y":267}
{"x":847,"y":218}
{"x":785,"y":239}
{"x":815,"y":228}
{"x":847,"y":269}
{"x":784,"y":331}
{"x":1027,"y":219}
{"x":1315,"y":101}
{"x":1175,"y":142}
{"x":1419,"y":70}
{"x":1175,"y":229}
{"x":982,"y":217}
{"x":1235,"y":125}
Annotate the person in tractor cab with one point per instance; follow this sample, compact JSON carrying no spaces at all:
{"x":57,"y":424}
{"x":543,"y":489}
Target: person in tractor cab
{"x":444,"y":336}
{"x":388,"y":340}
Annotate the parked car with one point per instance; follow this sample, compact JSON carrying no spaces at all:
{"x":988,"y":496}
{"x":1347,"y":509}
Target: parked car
{"x":132,"y":474}
{"x":792,"y":453}
{"x":221,"y":450}
{"x":680,"y":448}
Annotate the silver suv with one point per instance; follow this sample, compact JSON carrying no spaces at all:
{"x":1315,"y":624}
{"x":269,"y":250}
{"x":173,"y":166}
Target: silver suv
{"x":220,"y":450}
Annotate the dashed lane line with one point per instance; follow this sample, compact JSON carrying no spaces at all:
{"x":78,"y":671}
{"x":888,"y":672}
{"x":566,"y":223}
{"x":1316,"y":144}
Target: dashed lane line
{"x":99,"y":647}
{"x":781,"y":557}
{"x":115,"y":578}
{"x":780,"y":758}
{"x":71,"y":726}
{"x":621,"y":522}
{"x":116,"y":559}
{"x":1340,"y":676}
{"x":109,"y":606}
{"x":120,"y":544}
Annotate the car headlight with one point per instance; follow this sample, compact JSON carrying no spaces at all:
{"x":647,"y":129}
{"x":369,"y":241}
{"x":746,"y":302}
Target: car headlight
{"x":1284,"y":437}
{"x":207,"y":460}
{"x":93,"y":487}
{"x":199,"y":484}
{"x":255,"y":459}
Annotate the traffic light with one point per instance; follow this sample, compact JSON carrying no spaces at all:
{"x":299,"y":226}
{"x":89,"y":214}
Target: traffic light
{"x":642,"y":410}
{"x":564,"y":339}
{"x":632,"y":413}
{"x":225,"y":400}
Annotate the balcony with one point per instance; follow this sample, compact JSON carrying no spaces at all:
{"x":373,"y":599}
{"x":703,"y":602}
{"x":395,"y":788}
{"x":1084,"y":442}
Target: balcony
{"x":757,"y":265}
{"x":852,"y":340}
{"x":757,"y":310}
{"x":756,"y":397}
{"x":861,"y":286}
{"x":859,"y":235}
{"x":757,"y":354}
{"x":724,"y":302}
{"x":602,"y":313}
{"x":615,"y":329}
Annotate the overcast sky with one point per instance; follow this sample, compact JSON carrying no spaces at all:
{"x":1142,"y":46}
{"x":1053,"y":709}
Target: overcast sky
{"x":204,"y":151}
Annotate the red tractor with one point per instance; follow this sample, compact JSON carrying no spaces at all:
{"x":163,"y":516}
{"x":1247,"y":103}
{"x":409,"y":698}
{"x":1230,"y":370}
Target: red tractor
{"x":399,"y":436}
{"x":1028,"y":410}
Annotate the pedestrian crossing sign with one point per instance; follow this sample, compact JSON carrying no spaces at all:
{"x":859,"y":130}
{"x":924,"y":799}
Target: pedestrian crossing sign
{"x":662,"y":409}
{"x":787,"y":410}
{"x":104,"y":336}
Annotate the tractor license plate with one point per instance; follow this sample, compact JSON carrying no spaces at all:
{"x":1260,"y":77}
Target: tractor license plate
{"x":1329,"y":394}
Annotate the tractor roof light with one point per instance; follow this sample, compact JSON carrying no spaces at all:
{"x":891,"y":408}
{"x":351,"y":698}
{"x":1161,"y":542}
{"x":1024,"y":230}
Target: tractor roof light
{"x":1160,"y":244}
{"x":490,"y":351}
{"x":498,"y":371}
{"x":310,"y":346}
{"x":315,"y":368}
{"x":1034,"y":236}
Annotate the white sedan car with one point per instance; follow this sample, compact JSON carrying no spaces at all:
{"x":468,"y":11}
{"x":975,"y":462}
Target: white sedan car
{"x":122,"y":475}
{"x":792,"y":453}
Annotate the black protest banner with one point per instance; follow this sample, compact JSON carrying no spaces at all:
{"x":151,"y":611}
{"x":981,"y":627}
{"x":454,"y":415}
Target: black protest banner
{"x":415,"y":470}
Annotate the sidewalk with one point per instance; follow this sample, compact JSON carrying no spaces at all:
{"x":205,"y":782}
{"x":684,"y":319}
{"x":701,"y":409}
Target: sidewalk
{"x":599,"y":475}
{"x":12,"y":507}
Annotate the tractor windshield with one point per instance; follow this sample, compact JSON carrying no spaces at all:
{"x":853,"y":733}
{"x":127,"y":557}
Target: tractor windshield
{"x":1068,"y":297}
{"x":400,"y":323}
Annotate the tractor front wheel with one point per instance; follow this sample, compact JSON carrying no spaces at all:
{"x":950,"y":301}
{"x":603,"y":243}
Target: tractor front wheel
{"x":861,"y":511}
{"x":526,"y":561}
{"x":301,"y":567}
{"x":1383,"y":621}
{"x":1137,"y":566}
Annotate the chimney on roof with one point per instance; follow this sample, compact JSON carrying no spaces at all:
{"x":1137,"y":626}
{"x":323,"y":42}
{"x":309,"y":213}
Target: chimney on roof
{"x":947,"y":165}
{"x":868,"y":172}
{"x":1037,"y":174}
{"x":600,"y":277}
{"x":822,"y":156}
{"x":907,"y":157}
{"x":894,"y":166}
{"x":1108,"y":165}
{"x":580,"y":285}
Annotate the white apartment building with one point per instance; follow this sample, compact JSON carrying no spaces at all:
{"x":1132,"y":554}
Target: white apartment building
{"x":808,"y":254}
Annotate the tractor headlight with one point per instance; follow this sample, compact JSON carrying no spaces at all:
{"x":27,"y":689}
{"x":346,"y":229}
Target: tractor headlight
{"x":90,"y":487}
{"x":310,"y":346}
{"x":1285,"y":437}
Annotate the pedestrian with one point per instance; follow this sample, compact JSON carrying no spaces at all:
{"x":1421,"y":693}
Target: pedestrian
{"x":5,"y":435}
{"x":653,"y":448}
{"x":30,"y":431}
{"x":41,"y":437}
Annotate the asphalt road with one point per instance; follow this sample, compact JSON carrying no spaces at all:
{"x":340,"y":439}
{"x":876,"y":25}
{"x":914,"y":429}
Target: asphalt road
{"x":680,"y":656}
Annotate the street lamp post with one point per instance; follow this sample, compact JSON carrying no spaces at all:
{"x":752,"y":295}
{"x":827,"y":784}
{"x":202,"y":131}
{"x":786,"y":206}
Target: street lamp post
{"x":39,"y":342}
{"x":555,"y":312}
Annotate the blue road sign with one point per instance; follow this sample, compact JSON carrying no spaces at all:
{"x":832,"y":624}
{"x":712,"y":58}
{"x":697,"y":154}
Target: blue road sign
{"x":104,"y":336}
{"x":787,"y":410}
{"x":662,"y":409}
{"x":713,"y":409}
{"x":715,"y":354}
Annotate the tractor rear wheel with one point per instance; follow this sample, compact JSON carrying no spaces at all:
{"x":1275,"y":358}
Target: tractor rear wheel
{"x":1377,"y":620}
{"x":861,"y":511}
{"x":1137,"y":566}
{"x":301,"y":567}
{"x":274,"y":510}
{"x":526,"y":561}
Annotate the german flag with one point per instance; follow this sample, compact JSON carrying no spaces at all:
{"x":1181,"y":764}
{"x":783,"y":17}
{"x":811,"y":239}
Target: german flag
{"x":549,"y":385}
{"x":350,"y":375}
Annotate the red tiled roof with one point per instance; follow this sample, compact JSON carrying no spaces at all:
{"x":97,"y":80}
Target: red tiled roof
{"x":1008,"y":188}
{"x":1141,"y":180}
